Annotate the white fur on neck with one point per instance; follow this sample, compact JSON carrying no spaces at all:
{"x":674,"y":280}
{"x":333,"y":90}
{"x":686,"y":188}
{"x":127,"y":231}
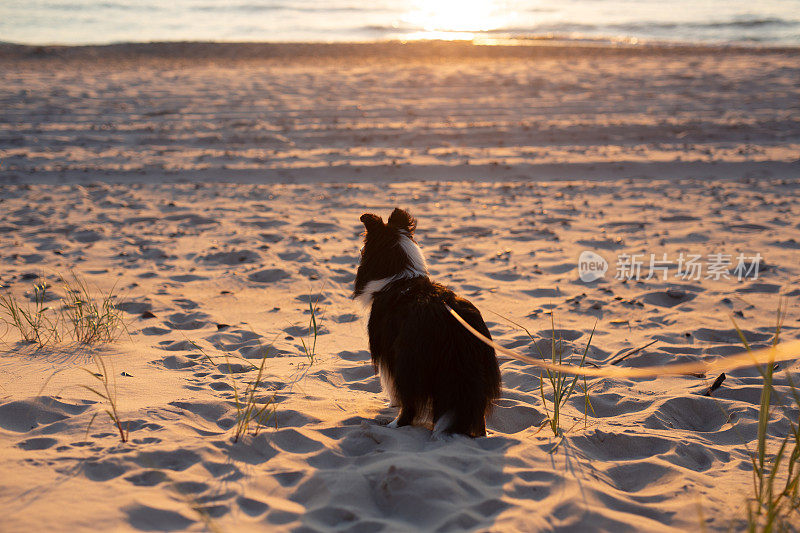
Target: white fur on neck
{"x":414,"y":254}
{"x":418,"y":268}
{"x":377,"y":285}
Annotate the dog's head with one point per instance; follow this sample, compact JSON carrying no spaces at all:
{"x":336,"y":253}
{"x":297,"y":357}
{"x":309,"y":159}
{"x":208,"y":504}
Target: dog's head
{"x":389,"y":250}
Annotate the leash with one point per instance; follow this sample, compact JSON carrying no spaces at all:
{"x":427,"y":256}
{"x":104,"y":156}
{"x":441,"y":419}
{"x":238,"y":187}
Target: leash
{"x":786,"y":351}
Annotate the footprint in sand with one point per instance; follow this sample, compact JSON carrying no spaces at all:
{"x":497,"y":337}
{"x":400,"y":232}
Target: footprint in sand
{"x":177,"y":362}
{"x":619,"y":446}
{"x":343,"y":276}
{"x":251,"y":507}
{"x":176,"y":460}
{"x":25,"y":415}
{"x":568,"y":335}
{"x":233,"y":257}
{"x":311,"y":298}
{"x":345,"y":318}
{"x":177,"y":346}
{"x":297,"y":256}
{"x":313,"y":226}
{"x":730,"y":336}
{"x":185,"y":278}
{"x":265,"y":222}
{"x":134,"y":307}
{"x":504,"y":275}
{"x":146,"y":518}
{"x":214,"y":412}
{"x":187,"y":321}
{"x":643,"y":475}
{"x":543,"y":293}
{"x":155,"y":331}
{"x":304,"y":331}
{"x":191,"y":219}
{"x":86,"y":236}
{"x":270,"y":275}
{"x":361,"y":378}
{"x":103,"y":470}
{"x":694,"y":413}
{"x":147,"y":478}
{"x":190,"y":487}
{"x":271,"y":238}
{"x":362,"y":355}
{"x":668,"y":298}
{"x":39,"y":443}
{"x":760,"y":288}
{"x":185,"y":304}
{"x":511,"y":416}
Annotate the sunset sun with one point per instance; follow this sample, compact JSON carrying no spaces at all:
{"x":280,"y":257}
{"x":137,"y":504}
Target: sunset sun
{"x":442,"y":17}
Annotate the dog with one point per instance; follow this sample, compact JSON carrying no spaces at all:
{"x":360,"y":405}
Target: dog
{"x":429,"y":365}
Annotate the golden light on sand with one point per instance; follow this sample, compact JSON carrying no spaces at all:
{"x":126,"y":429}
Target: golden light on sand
{"x":455,"y":19}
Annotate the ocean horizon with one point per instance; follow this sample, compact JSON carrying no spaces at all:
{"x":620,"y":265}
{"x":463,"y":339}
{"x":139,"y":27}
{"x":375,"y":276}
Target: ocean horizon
{"x":79,"y":22}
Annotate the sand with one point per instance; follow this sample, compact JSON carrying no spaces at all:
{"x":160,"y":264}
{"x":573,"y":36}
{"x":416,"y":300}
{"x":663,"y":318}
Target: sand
{"x":220,"y":195}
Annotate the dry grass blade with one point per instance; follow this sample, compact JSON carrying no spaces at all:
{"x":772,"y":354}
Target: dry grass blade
{"x":632,"y":352}
{"x":108,"y":394}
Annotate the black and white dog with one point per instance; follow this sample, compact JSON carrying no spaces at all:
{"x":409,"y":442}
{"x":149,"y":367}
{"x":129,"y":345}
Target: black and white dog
{"x":430,"y":365}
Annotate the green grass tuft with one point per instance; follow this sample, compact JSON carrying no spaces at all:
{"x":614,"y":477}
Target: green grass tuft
{"x":775,"y":504}
{"x":35,"y":322}
{"x":310,"y":344}
{"x":563,"y":385}
{"x":88,"y":317}
{"x":253,"y":413}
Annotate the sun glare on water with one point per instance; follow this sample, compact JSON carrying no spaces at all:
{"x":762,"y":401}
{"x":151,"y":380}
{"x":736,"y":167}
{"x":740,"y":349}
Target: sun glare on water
{"x":454,"y":19}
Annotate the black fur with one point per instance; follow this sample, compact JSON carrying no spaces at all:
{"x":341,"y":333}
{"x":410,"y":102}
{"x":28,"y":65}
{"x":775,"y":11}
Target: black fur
{"x":434,"y":365}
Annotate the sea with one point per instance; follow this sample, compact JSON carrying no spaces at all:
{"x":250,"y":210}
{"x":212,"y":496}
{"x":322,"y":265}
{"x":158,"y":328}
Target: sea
{"x":756,"y":22}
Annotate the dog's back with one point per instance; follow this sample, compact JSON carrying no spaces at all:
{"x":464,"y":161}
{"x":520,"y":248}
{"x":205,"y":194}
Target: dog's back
{"x":437,"y":368}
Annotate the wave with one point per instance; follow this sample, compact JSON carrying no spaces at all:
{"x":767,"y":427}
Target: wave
{"x":628,"y":26}
{"x":255,"y":8}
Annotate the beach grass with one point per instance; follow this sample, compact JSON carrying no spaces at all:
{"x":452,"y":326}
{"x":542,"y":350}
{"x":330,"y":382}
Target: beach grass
{"x":775,"y":503}
{"x":253,"y":413}
{"x":90,"y":318}
{"x":34,"y":321}
{"x":563,"y":385}
{"x":108,"y":393}
{"x":310,"y":343}
{"x":86,"y":316}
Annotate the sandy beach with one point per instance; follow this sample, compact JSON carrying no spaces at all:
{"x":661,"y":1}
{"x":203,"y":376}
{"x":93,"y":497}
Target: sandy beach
{"x":217,"y":189}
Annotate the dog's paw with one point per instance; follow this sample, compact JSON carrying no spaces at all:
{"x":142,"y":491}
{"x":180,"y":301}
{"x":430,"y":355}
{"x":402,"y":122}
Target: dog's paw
{"x":393,"y":423}
{"x":441,"y":436}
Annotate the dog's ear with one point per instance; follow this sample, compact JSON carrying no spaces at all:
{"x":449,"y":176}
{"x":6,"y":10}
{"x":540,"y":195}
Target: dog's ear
{"x":401,"y":219}
{"x":371,"y":221}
